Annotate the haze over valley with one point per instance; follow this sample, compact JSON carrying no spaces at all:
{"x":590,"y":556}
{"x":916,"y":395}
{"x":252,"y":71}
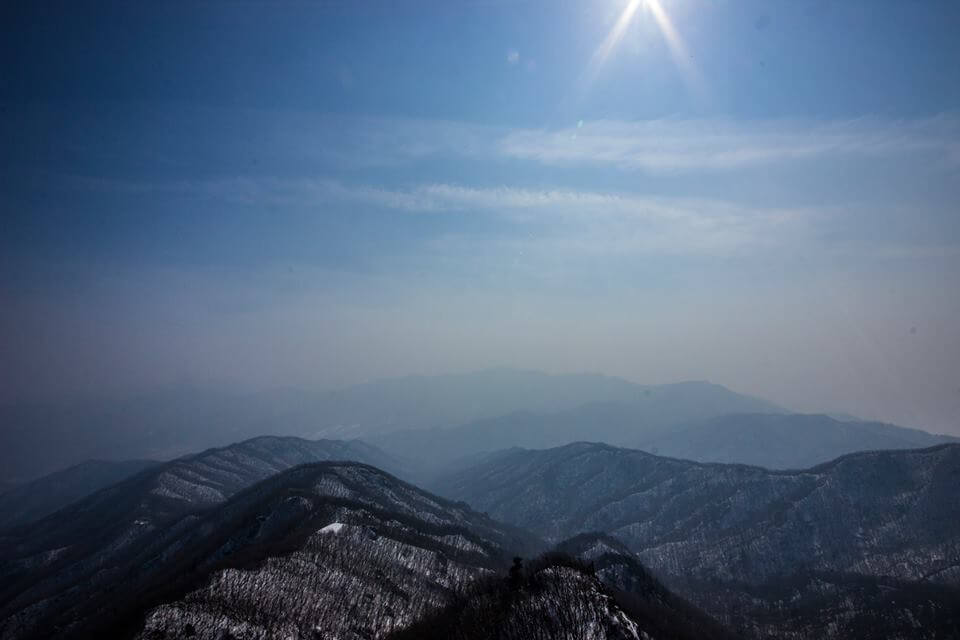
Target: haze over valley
{"x":480,"y":320}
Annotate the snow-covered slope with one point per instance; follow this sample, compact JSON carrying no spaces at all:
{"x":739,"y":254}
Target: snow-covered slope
{"x":658,"y":611}
{"x":590,"y":587}
{"x":556,"y":600}
{"x":90,"y":541}
{"x":344,"y":550}
{"x":892,"y":515}
{"x":335,"y":548}
{"x":329,"y":550}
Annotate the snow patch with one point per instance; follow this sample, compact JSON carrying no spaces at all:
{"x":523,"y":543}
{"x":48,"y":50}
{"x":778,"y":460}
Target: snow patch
{"x":333,"y":527}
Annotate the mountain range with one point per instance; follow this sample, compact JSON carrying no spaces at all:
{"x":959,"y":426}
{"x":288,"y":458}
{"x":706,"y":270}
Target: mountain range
{"x":883,"y":519}
{"x":435,"y":421}
{"x":88,"y":544}
{"x":328,"y":550}
{"x":783,"y":441}
{"x":701,"y":514}
{"x":320,"y":550}
{"x":284,"y":537}
{"x":318,"y":545}
{"x":674,"y":420}
{"x":177,"y":421}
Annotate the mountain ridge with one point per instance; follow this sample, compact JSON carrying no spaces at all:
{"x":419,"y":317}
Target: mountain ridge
{"x":783,"y":441}
{"x":274,"y":518}
{"x":651,"y":411}
{"x":176,"y":421}
{"x":863,"y":519}
{"x":33,"y":500}
{"x":88,"y":542}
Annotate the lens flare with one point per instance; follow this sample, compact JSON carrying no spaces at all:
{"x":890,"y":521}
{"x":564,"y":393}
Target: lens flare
{"x":616,"y":34}
{"x":678,"y":48}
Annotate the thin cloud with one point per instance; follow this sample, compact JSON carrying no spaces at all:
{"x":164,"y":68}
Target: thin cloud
{"x":569,"y":220}
{"x":687,"y":145}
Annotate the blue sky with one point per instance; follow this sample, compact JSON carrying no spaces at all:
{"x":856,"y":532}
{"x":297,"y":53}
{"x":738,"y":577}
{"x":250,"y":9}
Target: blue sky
{"x":760,"y":193}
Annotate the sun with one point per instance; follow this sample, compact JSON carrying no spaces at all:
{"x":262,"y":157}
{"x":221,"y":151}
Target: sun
{"x":679,"y":51}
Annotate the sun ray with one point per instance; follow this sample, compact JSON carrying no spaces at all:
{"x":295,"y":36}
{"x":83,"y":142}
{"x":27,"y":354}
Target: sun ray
{"x":616,"y":34}
{"x":678,"y":48}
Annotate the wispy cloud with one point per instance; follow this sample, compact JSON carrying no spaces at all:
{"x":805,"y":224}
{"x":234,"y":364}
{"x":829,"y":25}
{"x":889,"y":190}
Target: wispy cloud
{"x":659,"y":145}
{"x":580,"y":221}
{"x":567,"y":222}
{"x":314,"y":142}
{"x":617,"y":214}
{"x":683,"y":145}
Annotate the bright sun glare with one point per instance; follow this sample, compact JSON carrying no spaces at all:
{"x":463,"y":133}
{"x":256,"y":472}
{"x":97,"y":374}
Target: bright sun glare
{"x":678,"y":48}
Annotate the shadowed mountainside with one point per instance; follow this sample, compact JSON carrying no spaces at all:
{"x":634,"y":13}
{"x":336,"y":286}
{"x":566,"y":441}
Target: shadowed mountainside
{"x":90,"y":542}
{"x":341,"y":548}
{"x":717,"y":532}
{"x":33,"y":500}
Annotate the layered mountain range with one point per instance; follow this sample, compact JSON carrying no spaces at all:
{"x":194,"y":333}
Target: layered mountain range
{"x":872,"y":521}
{"x":772,"y":440}
{"x":321,"y":550}
{"x":540,"y":534}
{"x":435,"y":422}
{"x":782,"y":441}
{"x":329,"y":550}
{"x":88,"y":545}
{"x":178,"y":421}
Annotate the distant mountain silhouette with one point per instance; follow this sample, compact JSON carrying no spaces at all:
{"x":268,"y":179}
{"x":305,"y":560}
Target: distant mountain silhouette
{"x":32,"y":500}
{"x":695,"y":421}
{"x":177,"y":421}
{"x":650,"y":411}
{"x":783,"y":441}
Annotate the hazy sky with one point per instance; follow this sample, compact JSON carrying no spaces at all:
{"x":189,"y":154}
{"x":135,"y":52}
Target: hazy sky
{"x":765,"y":194}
